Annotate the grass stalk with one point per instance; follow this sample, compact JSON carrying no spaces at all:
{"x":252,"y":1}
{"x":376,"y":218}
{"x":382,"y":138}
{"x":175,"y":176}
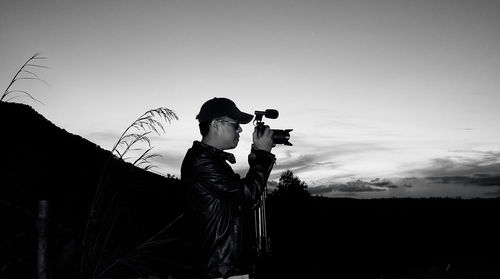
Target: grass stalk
{"x":24,"y":73}
{"x":150,"y":242}
{"x":136,"y":133}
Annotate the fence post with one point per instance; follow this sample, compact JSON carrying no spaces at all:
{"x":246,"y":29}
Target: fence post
{"x":42,"y":228}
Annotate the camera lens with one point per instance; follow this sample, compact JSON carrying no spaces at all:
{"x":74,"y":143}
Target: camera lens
{"x":282,"y":136}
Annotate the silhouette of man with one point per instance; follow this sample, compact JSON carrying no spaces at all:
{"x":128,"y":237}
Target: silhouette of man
{"x":217,"y":198}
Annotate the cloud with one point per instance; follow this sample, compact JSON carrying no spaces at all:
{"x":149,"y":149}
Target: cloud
{"x":480,"y":169}
{"x":330,"y":156}
{"x":353,"y":187}
{"x":467,"y":163}
{"x":304,"y":163}
{"x":319,"y":190}
{"x":383,"y":183}
{"x":484,"y":180}
{"x":493,"y":193}
{"x":408,"y":182}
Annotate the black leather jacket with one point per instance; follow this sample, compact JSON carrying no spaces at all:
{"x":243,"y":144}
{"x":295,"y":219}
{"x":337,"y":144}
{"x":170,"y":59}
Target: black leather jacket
{"x":216,"y":201}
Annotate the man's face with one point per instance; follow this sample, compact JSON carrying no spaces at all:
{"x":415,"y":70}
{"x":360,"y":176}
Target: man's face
{"x":228,"y":132}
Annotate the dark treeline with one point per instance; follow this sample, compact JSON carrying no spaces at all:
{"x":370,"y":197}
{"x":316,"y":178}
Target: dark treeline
{"x":351,"y":238}
{"x":312,"y":237}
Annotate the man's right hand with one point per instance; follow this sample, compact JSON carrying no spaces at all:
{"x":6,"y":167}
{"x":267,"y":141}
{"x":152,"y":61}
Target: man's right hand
{"x":263,"y":139}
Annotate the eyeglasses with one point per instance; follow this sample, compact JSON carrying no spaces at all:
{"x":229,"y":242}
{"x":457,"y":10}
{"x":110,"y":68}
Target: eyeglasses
{"x":235,"y":125}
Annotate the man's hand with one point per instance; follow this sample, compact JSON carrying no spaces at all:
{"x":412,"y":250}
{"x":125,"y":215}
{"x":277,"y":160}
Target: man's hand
{"x":263,"y":139}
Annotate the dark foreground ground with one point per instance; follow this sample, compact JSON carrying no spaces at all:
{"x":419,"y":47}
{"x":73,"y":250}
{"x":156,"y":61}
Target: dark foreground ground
{"x":311,"y":238}
{"x":384,"y":238}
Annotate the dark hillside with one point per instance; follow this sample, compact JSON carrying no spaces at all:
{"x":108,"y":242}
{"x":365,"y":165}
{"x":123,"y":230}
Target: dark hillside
{"x":384,"y":238}
{"x":41,"y":161}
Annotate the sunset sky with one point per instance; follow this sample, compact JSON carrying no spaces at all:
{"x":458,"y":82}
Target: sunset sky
{"x":387,"y":98}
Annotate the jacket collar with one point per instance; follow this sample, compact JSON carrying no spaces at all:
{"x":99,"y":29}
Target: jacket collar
{"x":224,"y":155}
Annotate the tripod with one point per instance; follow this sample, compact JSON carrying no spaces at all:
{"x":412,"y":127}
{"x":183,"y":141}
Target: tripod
{"x":263,"y":242}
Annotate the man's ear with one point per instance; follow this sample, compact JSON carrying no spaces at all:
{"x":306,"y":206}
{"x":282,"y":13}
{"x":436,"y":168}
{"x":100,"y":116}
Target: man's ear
{"x":215,"y":125}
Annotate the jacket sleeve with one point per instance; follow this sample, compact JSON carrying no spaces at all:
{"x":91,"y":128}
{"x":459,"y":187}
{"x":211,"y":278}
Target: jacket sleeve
{"x":218,"y":179}
{"x":261,"y":163}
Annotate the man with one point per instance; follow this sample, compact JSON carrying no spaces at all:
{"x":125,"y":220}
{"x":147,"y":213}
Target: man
{"x":217,"y":198}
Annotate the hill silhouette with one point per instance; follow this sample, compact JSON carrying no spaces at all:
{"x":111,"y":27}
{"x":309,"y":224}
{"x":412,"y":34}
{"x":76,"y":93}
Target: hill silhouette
{"x":311,"y":237}
{"x":41,"y":161}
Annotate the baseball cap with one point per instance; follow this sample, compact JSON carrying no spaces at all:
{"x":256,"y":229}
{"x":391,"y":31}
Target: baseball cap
{"x":218,"y":107}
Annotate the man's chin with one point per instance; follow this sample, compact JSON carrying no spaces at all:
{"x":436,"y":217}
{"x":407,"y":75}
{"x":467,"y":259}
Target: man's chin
{"x":235,"y":143}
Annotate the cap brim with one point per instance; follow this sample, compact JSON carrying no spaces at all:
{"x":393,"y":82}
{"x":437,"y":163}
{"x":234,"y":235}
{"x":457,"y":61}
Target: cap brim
{"x":242,"y":117}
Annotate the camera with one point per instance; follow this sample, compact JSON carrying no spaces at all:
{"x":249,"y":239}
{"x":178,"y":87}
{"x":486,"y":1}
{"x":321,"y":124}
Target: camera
{"x":279,"y":136}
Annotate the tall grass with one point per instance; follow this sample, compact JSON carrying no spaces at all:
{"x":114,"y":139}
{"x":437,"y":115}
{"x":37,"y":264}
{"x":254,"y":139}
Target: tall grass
{"x":104,"y":212}
{"x":134,"y":261}
{"x":138,"y":133}
{"x":103,"y":207}
{"x":26,"y":72}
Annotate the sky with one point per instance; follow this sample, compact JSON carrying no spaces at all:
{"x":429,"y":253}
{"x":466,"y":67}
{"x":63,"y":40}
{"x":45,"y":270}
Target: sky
{"x":386,"y":98}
